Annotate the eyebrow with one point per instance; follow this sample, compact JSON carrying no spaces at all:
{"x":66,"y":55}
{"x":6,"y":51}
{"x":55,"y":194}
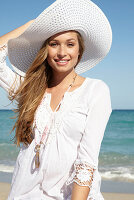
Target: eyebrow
{"x":67,"y":40}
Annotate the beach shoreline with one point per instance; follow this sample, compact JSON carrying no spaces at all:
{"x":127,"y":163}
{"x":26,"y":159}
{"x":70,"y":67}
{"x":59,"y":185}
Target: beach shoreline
{"x":107,"y":186}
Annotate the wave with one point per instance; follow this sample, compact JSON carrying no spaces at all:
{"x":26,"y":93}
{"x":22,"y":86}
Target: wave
{"x":119,"y":173}
{"x":111,"y":159}
{"x":120,"y":177}
{"x":6,"y":168}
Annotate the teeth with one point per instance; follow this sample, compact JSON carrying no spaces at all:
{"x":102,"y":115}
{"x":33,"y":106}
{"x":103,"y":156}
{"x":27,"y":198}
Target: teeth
{"x":62,"y":61}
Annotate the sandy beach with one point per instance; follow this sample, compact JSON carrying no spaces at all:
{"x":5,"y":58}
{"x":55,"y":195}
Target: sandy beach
{"x":118,"y":196}
{"x":5,"y":187}
{"x":4,"y":190}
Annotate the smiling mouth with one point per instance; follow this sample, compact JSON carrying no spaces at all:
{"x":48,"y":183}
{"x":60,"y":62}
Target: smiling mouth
{"x":61,"y":62}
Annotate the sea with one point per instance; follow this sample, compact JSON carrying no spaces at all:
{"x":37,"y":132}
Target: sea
{"x":116,"y":159}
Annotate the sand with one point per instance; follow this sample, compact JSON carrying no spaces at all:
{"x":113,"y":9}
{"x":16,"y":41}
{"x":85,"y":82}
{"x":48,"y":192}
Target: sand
{"x":5,"y":187}
{"x":4,"y":190}
{"x":118,"y":196}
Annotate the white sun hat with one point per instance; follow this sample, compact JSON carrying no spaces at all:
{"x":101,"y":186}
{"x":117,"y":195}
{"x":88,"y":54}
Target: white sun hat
{"x":81,"y":15}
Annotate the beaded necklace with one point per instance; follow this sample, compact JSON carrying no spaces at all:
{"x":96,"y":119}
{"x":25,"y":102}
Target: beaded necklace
{"x":47,"y":129}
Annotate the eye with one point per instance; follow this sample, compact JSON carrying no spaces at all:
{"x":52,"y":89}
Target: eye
{"x":53,"y":44}
{"x":70,"y":44}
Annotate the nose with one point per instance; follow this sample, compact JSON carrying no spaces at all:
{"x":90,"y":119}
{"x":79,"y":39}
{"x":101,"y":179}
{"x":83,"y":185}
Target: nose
{"x":61,"y":51}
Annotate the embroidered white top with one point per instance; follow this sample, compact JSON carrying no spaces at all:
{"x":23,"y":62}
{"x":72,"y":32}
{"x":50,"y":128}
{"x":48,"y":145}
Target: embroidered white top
{"x":72,"y":149}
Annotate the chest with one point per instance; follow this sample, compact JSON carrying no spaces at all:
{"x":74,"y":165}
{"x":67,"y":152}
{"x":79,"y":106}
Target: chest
{"x":55,"y":99}
{"x":69,"y":120}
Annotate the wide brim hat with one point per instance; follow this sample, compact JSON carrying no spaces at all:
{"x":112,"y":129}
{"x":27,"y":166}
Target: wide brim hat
{"x":81,"y":15}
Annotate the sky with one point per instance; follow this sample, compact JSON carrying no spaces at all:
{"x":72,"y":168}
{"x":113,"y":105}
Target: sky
{"x":116,"y":70}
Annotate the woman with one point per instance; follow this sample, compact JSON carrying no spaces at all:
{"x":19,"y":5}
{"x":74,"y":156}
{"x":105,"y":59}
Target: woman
{"x":61,"y":115}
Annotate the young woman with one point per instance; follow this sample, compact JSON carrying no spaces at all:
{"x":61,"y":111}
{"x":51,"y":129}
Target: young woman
{"x":62,"y":116}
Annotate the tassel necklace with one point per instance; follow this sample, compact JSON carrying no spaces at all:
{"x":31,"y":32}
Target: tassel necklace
{"x":47,"y":129}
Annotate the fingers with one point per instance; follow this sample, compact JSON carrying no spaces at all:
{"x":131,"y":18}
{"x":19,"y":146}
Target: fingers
{"x":3,"y":47}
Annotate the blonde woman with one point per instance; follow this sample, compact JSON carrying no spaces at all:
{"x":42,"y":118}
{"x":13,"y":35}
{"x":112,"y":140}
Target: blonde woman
{"x":62,"y":116}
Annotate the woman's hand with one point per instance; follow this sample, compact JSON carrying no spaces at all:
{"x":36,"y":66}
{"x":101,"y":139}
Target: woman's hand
{"x":2,"y":48}
{"x":15,"y":33}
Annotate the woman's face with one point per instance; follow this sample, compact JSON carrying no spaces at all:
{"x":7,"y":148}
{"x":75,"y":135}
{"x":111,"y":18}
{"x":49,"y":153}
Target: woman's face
{"x":63,"y":51}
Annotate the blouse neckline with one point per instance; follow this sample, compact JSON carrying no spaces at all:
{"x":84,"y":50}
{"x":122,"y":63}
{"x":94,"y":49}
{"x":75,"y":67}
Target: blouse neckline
{"x":71,"y":92}
{"x":48,"y":95}
{"x":79,"y":88}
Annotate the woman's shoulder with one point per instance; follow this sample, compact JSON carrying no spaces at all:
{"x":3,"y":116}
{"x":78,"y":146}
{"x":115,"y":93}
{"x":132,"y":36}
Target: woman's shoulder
{"x":91,"y":89}
{"x":96,"y":84}
{"x":95,"y":89}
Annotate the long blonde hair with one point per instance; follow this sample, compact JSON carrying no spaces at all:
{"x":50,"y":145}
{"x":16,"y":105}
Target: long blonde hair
{"x":31,"y":91}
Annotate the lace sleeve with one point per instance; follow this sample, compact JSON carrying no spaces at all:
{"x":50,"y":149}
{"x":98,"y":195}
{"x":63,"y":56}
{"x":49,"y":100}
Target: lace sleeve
{"x":3,"y":53}
{"x":82,"y":174}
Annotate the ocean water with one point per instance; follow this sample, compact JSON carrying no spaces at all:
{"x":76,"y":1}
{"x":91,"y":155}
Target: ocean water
{"x":116,"y":160}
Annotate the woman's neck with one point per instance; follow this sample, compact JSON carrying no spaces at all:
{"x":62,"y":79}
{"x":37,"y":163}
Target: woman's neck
{"x":62,"y":80}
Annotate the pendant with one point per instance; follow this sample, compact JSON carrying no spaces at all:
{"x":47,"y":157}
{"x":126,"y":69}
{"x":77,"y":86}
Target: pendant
{"x":37,"y":156}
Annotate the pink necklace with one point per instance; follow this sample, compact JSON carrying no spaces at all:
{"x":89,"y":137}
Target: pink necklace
{"x":47,"y":129}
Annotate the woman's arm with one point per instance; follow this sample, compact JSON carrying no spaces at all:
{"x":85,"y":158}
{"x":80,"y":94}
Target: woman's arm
{"x":9,"y":78}
{"x":86,"y":164}
{"x":14,"y":33}
{"x":79,"y":192}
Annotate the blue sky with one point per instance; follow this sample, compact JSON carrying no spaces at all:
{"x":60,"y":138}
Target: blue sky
{"x":117,"y":69}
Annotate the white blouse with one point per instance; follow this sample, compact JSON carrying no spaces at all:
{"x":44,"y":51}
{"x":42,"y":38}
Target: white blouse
{"x":72,"y":148}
